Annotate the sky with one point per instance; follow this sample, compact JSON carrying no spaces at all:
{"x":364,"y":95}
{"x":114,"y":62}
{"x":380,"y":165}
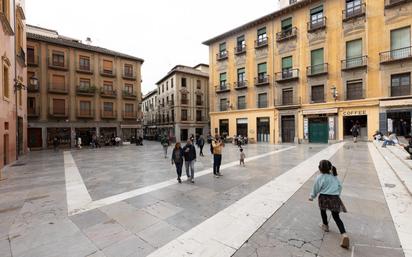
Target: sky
{"x":164,"y":33}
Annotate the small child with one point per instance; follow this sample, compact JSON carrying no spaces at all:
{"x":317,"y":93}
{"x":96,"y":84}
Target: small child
{"x":329,"y":188}
{"x":242,"y":157}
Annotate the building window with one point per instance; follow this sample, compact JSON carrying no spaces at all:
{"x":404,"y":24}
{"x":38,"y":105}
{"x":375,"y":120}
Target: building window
{"x":223,"y":104}
{"x":31,"y":105}
{"x":107,"y":67}
{"x":401,"y":84}
{"x":318,"y":94}
{"x":84,"y":83}
{"x":241,"y":75}
{"x":354,"y":53}
{"x":222,"y":80}
{"x":171,"y":83}
{"x":353,"y":7}
{"x":316,"y":17}
{"x":354,"y":90}
{"x":287,"y":64}
{"x":286,"y":24}
{"x":400,"y":43}
{"x":30,"y":55}
{"x":6,"y":83}
{"x":108,"y":86}
{"x":128,"y":88}
{"x":108,"y":107}
{"x":262,"y":100}
{"x":58,"y":59}
{"x":184,"y":99}
{"x":85,"y":107}
{"x":262,"y":71}
{"x":262,"y":37}
{"x":184,"y":115}
{"x":59,"y":107}
{"x":84,"y":63}
{"x":167,"y":85}
{"x":129,"y":108}
{"x":128,"y":70}
{"x":198,"y":115}
{"x":287,"y":96}
{"x":241,"y":102}
{"x":184,"y":82}
{"x":59,"y":82}
{"x":199,"y":100}
{"x":222,"y":50}
{"x":198,"y":84}
{"x":240,"y":44}
{"x":316,"y":60}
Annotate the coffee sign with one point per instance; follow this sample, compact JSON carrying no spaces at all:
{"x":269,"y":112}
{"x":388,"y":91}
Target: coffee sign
{"x":354,"y":113}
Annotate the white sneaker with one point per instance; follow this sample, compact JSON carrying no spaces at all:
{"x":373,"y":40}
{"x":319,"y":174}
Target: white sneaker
{"x":324,"y":227}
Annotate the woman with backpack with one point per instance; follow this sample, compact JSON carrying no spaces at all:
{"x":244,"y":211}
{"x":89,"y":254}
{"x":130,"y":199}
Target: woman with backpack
{"x":177,"y":160}
{"x":329,"y":188}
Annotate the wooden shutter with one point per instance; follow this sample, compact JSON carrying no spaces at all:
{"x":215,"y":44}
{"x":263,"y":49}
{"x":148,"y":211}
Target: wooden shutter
{"x":107,"y":65}
{"x":59,"y":106}
{"x":287,"y":62}
{"x":58,"y":82}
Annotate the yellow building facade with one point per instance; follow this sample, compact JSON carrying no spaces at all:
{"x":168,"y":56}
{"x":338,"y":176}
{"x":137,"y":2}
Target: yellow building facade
{"x":312,"y":70}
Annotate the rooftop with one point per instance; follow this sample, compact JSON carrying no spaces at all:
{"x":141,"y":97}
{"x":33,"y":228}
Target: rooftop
{"x":186,"y":70}
{"x":53,"y":37}
{"x":154,"y":91}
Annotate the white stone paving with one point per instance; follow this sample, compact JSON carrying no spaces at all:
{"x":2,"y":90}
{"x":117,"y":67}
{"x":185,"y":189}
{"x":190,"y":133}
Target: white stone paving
{"x":397,"y":197}
{"x":79,"y":200}
{"x":225,"y":232}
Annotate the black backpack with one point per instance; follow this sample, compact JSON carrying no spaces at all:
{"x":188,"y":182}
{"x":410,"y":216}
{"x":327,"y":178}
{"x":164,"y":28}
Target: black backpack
{"x":211,"y":147}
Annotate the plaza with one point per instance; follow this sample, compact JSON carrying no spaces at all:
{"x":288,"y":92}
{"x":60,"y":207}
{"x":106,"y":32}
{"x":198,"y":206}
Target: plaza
{"x":125,"y":201}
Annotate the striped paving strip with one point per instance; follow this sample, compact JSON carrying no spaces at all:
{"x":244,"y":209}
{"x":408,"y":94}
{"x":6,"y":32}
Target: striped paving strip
{"x":397,"y":197}
{"x":82,"y":201}
{"x":224,"y":233}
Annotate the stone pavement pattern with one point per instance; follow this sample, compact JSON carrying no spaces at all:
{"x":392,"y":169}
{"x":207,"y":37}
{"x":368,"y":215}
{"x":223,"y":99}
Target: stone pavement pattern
{"x":34,"y":220}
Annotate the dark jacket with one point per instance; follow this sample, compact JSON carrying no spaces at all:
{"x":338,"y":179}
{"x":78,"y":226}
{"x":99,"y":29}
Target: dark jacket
{"x":176,"y":157}
{"x":191,"y":154}
{"x":201,"y":142}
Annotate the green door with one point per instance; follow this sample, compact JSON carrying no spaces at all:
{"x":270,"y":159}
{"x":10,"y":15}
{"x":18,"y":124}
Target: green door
{"x":318,"y":131}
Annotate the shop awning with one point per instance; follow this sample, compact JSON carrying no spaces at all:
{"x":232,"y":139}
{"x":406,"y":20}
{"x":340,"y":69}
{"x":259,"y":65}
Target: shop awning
{"x":320,"y":111}
{"x":394,"y":103}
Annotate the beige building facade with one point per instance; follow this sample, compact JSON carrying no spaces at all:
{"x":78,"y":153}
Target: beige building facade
{"x":13,"y":79}
{"x":313,"y":69}
{"x":183,"y":102}
{"x":83,"y":91}
{"x":149,"y":108}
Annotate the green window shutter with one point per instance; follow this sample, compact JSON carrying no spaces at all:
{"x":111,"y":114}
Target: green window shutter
{"x":287,"y":23}
{"x":316,"y":10}
{"x":261,"y":31}
{"x":262,"y":68}
{"x":316,"y":57}
{"x":354,"y":48}
{"x":241,"y":39}
{"x":223,"y":76}
{"x":287,"y":62}
{"x":400,"y":38}
{"x":222,"y":47}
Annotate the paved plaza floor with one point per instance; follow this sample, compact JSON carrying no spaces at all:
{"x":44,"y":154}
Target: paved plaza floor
{"x":125,"y":201}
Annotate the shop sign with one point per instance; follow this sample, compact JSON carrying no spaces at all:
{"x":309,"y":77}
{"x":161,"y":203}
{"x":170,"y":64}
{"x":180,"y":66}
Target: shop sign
{"x":331,"y":128}
{"x":306,"y":128}
{"x":390,"y":125}
{"x":354,"y":113}
{"x":241,"y":121}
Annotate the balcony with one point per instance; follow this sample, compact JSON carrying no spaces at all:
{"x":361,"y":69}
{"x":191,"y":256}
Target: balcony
{"x":184,"y":101}
{"x":287,"y":75}
{"x":84,"y":69}
{"x":241,"y":49}
{"x":108,"y":114}
{"x":354,"y":12}
{"x":33,"y":88}
{"x":57,"y":65}
{"x":108,"y":93}
{"x":286,"y":34}
{"x":222,"y":88}
{"x":239,"y":85}
{"x":108,"y":73}
{"x":262,"y":80}
{"x":262,"y":42}
{"x":318,"y":24}
{"x":86,"y":90}
{"x":87,"y":114}
{"x":288,"y":102}
{"x":33,"y":112}
{"x":354,"y":63}
{"x":396,"y":55}
{"x":130,"y":115}
{"x":222,"y":55}
{"x":317,"y":70}
{"x":21,"y":56}
{"x":129,"y":75}
{"x":57,"y":89}
{"x":129,"y":95}
{"x":393,"y":3}
{"x":33,"y":61}
{"x":58,"y":115}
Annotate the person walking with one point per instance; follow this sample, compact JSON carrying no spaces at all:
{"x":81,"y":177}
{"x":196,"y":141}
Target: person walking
{"x":201,"y":144}
{"x":242,"y":157}
{"x":165,"y":143}
{"x":177,"y":160}
{"x":190,"y":159}
{"x":355,"y":132}
{"x":55,"y":143}
{"x":217,"y":147}
{"x":79,"y":143}
{"x":329,"y":188}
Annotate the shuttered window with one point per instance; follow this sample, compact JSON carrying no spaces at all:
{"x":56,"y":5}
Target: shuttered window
{"x":401,"y":84}
{"x":58,"y":82}
{"x":286,"y":24}
{"x":354,"y":90}
{"x":58,"y":58}
{"x":262,"y":100}
{"x":261,"y":35}
{"x":108,"y":107}
{"x":400,"y":38}
{"x":318,"y":94}
{"x":223,"y":104}
{"x":129,"y":108}
{"x":241,"y":102}
{"x":107,"y":66}
{"x":316,"y":57}
{"x":287,"y":63}
{"x":262,"y":68}
{"x":287,"y":96}
{"x":85,"y":107}
{"x":222,"y":79}
{"x":128,"y":70}
{"x":222,"y":47}
{"x":59,"y":106}
{"x":84,"y":63}
{"x":241,"y":75}
{"x":354,"y":48}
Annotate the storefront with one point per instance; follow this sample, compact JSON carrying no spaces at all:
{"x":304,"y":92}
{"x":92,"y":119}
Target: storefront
{"x":365,"y":117}
{"x":224,"y":128}
{"x":86,"y":134}
{"x":395,"y":116}
{"x":288,"y":128}
{"x":130,"y":132}
{"x":319,"y":126}
{"x":263,"y":129}
{"x":241,"y":127}
{"x":62,"y":134}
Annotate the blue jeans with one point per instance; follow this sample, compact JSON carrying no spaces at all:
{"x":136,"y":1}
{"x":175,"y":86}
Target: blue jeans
{"x":387,"y":142}
{"x":217,"y":161}
{"x":190,"y":165}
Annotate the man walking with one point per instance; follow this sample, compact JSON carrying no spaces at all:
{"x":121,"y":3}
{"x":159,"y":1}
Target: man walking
{"x":190,"y":158}
{"x":201,"y":144}
{"x":217,"y":146}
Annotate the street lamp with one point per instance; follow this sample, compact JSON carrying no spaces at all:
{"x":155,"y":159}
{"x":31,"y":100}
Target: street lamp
{"x":34,"y":82}
{"x":334,"y":92}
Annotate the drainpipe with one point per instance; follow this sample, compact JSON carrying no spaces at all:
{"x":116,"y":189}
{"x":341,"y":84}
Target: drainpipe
{"x":15,"y":81}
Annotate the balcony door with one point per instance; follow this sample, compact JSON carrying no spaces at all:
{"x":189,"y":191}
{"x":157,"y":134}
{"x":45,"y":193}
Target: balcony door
{"x":400,"y":43}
